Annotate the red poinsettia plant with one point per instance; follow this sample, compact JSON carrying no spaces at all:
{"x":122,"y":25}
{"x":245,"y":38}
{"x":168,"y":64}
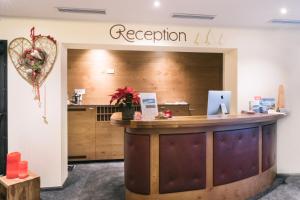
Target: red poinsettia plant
{"x":125,"y":97}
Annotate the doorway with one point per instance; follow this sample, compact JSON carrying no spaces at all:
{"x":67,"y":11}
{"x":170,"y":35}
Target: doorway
{"x":3,"y":105}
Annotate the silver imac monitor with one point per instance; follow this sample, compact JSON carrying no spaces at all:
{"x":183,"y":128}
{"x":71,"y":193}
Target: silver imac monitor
{"x":218,"y":102}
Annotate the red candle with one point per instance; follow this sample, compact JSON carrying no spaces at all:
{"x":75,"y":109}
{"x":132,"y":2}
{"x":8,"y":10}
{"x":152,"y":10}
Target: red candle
{"x":23,"y":169}
{"x":12,"y":165}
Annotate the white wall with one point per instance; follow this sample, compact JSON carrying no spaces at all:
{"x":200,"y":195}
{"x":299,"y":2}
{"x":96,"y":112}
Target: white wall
{"x":266,"y":58}
{"x":288,"y":128}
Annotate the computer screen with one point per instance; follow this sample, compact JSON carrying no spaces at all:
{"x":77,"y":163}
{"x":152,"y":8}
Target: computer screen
{"x":218,"y":102}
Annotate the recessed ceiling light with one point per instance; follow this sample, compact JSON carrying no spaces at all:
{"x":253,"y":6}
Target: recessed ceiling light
{"x":193,"y":16}
{"x":283,"y":11}
{"x":285,"y":21}
{"x":156,"y":4}
{"x":81,"y":10}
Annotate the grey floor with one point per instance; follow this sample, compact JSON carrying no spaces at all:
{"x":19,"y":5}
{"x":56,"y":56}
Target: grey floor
{"x":94,"y":181}
{"x":105,"y":181}
{"x":289,"y":190}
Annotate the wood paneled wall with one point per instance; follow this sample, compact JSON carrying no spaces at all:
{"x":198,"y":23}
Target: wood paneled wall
{"x":174,"y":76}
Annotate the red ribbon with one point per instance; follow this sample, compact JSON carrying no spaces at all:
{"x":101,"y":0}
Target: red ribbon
{"x":35,"y":83}
{"x":33,"y":36}
{"x":32,"y":33}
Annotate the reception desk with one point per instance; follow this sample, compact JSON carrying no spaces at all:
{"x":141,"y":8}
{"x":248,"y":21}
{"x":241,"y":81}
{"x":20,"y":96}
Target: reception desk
{"x":199,"y":157}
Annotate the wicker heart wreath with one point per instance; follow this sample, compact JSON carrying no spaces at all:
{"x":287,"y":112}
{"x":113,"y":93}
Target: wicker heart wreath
{"x":33,"y":59}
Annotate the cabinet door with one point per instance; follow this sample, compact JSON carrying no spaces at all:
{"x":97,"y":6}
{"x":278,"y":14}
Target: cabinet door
{"x":81,"y":133}
{"x":109,"y":141}
{"x":117,"y":142}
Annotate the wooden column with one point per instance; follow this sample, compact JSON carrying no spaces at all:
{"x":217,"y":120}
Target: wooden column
{"x":154,"y":163}
{"x":209,"y":160}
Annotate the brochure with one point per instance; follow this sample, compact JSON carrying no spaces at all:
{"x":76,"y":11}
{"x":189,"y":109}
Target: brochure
{"x":149,"y":106}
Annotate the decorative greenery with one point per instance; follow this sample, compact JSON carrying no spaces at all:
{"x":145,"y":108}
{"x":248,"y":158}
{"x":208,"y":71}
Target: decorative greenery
{"x":33,"y":59}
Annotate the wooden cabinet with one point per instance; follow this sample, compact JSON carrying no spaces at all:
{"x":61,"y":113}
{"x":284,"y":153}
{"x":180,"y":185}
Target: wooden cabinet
{"x":81,"y":132}
{"x":89,"y":138}
{"x":92,"y":137}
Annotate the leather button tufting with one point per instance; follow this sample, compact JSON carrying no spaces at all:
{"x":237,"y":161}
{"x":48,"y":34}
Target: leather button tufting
{"x":137,"y":153}
{"x":182,"y":169}
{"x":231,"y":161}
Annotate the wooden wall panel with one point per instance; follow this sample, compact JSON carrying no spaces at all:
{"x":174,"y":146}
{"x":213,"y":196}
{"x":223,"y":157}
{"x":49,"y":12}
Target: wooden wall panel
{"x":174,"y":76}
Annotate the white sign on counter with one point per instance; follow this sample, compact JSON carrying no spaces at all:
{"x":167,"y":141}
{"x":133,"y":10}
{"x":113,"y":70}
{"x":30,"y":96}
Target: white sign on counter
{"x":148,"y":106}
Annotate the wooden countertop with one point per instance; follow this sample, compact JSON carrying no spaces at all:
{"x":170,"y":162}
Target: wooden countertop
{"x":195,"y":121}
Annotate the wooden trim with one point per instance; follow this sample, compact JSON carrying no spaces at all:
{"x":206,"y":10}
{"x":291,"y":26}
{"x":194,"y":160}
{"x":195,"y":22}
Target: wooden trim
{"x":239,"y":190}
{"x":209,"y":160}
{"x":230,"y":75}
{"x":193,"y":129}
{"x":196,"y":121}
{"x":154,"y":164}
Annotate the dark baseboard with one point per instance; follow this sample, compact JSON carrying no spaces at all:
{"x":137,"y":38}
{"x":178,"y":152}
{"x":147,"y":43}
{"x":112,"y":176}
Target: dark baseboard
{"x":287,"y":174}
{"x":94,"y":161}
{"x":52,"y":188}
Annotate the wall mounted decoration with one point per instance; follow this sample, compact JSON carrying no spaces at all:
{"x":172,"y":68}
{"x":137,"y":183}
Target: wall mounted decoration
{"x":281,"y":99}
{"x":33,"y":59}
{"x":211,"y":37}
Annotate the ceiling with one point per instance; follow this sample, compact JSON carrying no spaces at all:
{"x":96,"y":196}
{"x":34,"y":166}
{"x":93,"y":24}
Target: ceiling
{"x":233,"y":13}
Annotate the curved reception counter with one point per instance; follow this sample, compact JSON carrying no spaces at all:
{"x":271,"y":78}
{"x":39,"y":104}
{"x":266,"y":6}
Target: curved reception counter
{"x":199,"y":157}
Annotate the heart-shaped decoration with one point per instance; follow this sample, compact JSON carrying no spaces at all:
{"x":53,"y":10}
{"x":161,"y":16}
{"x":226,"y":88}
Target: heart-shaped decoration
{"x":33,"y":60}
